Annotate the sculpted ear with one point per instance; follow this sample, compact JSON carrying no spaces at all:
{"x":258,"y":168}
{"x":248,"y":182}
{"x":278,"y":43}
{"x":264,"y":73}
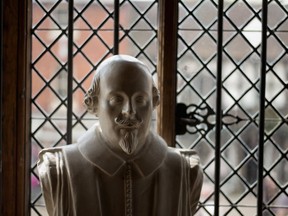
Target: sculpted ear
{"x":156,"y":97}
{"x":91,"y":103}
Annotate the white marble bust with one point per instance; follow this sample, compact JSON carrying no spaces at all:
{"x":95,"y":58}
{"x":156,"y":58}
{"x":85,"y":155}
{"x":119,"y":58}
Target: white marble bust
{"x":119,"y":167}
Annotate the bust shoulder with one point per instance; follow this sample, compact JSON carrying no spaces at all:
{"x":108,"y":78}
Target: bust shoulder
{"x":52,"y":156}
{"x":188,"y":160}
{"x":189,"y":156}
{"x":53,"y":177}
{"x":48,"y":160}
{"x":53,"y":159}
{"x":49,"y":164}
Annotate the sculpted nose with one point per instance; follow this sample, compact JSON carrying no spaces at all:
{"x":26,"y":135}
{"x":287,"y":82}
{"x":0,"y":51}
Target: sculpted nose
{"x":128,"y":108}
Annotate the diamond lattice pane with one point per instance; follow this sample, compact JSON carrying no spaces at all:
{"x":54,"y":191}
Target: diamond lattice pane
{"x":241,"y":66}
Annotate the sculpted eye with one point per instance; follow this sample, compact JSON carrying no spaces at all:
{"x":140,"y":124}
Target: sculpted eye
{"x":141,"y":100}
{"x":115,"y":100}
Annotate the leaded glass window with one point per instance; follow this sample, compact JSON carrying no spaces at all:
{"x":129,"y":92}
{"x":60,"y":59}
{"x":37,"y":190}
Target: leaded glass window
{"x":95,"y":29}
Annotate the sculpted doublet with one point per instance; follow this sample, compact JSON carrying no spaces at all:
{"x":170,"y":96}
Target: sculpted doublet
{"x":120,"y":167}
{"x":88,"y":178}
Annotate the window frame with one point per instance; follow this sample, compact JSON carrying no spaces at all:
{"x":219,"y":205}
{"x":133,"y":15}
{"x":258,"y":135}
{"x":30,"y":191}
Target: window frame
{"x":15,"y":89}
{"x":167,"y":68}
{"x":15,"y":106}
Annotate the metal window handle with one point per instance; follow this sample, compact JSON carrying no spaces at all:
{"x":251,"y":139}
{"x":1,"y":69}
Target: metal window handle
{"x":200,"y":119}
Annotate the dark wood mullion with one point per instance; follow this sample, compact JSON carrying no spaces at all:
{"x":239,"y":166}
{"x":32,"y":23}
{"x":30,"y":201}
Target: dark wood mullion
{"x":262,"y":107}
{"x":15,"y":102}
{"x":167,"y":68}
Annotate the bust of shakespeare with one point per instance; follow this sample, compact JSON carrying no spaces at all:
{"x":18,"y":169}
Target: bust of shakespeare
{"x":119,"y":167}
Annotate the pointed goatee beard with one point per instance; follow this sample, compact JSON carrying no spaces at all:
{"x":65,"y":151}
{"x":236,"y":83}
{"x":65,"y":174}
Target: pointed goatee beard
{"x":128,"y":141}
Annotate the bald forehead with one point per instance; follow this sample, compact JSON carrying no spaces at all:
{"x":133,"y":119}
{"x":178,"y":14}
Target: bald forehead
{"x":120,"y":59}
{"x":126,"y":77}
{"x":125,"y":69}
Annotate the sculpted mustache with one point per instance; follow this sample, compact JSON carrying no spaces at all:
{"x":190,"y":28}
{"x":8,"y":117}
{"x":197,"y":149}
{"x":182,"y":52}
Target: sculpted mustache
{"x":127,"y":122}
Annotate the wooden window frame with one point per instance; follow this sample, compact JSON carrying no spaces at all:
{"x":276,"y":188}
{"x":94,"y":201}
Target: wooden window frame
{"x":15,"y":106}
{"x":167,"y":68}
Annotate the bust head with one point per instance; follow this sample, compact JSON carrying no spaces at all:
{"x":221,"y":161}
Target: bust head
{"x":123,"y":96}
